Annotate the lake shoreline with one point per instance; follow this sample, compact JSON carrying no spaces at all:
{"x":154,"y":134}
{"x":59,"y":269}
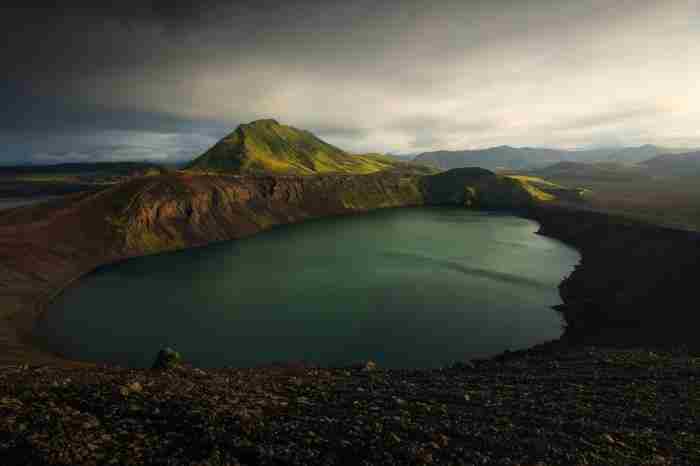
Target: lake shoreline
{"x":572,"y":337}
{"x":454,"y":282}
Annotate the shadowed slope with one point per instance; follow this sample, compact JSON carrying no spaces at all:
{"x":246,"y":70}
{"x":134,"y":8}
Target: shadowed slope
{"x":685,"y":165}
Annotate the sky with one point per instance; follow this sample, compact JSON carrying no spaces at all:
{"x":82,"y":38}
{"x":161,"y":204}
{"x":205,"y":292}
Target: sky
{"x":165,"y":80}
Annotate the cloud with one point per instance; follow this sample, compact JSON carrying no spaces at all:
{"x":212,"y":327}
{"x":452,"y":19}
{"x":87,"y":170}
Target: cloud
{"x":612,"y":118}
{"x":396,"y":76}
{"x":104,"y":146}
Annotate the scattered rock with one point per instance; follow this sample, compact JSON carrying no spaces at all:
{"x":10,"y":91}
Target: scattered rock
{"x":135,"y":387}
{"x":500,"y":414}
{"x":441,"y":440}
{"x":463,"y":365}
{"x":370,"y":366}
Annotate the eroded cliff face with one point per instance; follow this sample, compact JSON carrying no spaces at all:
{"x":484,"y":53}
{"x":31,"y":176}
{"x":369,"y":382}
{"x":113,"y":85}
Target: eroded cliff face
{"x":195,"y":210}
{"x":187,"y":210}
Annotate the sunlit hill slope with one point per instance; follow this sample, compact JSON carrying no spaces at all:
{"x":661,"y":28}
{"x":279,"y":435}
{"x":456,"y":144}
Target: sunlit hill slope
{"x":267,"y":147}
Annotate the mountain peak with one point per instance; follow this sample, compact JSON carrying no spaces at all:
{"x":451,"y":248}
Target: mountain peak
{"x":266,"y":146}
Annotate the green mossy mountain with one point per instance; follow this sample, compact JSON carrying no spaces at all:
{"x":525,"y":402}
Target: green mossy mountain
{"x":267,"y":147}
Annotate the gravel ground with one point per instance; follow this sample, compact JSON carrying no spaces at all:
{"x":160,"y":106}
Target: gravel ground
{"x":588,"y":406}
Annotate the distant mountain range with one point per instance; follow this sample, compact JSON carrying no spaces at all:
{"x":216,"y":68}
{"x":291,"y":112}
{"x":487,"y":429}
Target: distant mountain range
{"x":501,"y":157}
{"x":266,"y":146}
{"x":524,"y":158}
{"x":82,"y":169}
{"x":662,"y":166}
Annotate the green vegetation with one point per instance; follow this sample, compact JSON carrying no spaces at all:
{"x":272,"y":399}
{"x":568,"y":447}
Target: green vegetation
{"x":537,"y":187}
{"x":265,"y":146}
{"x":480,"y":188}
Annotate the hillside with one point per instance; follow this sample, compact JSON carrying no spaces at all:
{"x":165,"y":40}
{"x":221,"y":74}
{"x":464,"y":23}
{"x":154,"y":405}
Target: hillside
{"x":31,"y":181}
{"x":682,"y":165}
{"x":663,"y":191}
{"x":527,"y":158}
{"x":575,"y":171}
{"x":267,"y":147}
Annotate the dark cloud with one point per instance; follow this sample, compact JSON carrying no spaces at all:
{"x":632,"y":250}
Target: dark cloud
{"x":395,"y":75}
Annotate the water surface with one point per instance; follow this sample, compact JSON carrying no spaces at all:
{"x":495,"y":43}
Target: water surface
{"x":406,"y":287}
{"x":12,"y":202}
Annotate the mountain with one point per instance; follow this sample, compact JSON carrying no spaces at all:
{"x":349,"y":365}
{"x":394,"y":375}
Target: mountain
{"x":674,"y":165}
{"x":494,"y":158}
{"x":267,"y":147}
{"x":609,"y":171}
{"x":635,"y":154}
{"x":527,"y":158}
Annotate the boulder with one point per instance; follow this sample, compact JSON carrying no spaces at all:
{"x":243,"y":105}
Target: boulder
{"x":166,"y":359}
{"x":369,"y":366}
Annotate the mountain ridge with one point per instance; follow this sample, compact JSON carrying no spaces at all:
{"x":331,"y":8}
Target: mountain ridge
{"x":507,"y":157}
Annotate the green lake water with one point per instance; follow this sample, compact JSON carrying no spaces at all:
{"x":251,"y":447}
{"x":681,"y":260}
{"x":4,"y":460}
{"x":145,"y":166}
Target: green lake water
{"x":418,"y":287}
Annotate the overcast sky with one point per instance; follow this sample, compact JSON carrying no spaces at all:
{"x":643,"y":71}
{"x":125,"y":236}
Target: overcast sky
{"x":165,"y":80}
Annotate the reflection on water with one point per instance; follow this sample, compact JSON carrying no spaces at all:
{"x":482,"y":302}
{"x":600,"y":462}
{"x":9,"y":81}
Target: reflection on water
{"x":11,"y":202}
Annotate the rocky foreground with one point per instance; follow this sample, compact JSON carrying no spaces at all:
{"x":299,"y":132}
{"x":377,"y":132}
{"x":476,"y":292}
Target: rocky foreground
{"x":546,"y":406}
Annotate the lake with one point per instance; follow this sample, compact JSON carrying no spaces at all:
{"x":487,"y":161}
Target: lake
{"x":414,"y":287}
